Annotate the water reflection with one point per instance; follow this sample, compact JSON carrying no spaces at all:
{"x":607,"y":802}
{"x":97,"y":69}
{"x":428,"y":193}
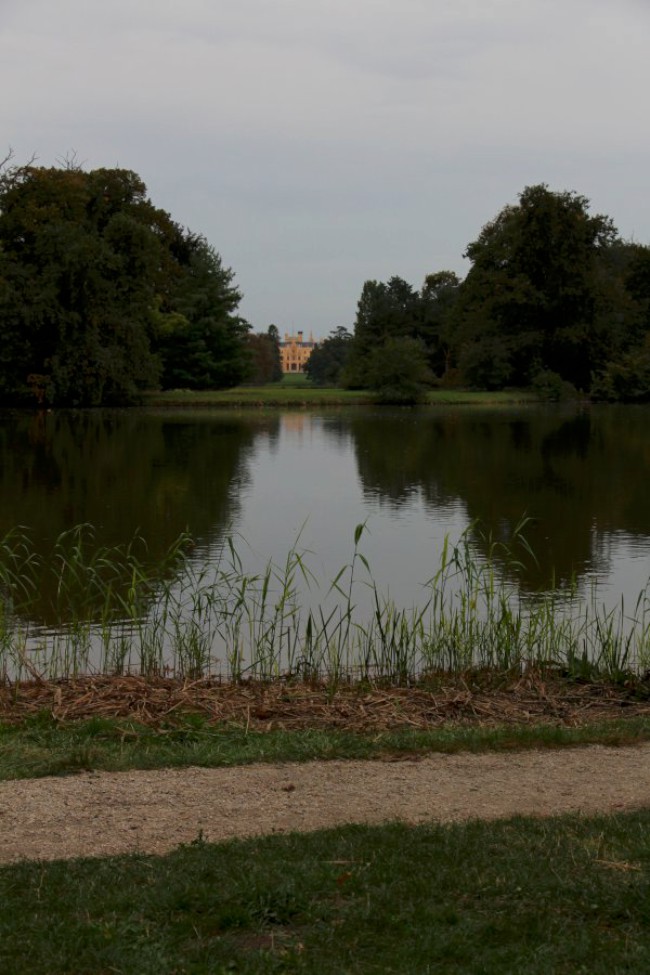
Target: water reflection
{"x":125,"y":473}
{"x":580,"y":474}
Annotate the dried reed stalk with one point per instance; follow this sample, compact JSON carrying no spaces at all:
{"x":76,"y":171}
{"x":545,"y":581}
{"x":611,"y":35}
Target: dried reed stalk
{"x":160,"y":701}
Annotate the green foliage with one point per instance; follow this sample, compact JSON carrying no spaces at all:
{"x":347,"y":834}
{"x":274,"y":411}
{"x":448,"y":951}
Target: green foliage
{"x":551,"y":387}
{"x":546,"y":293}
{"x":627,"y":379}
{"x":100,"y":292}
{"x":487,"y":363}
{"x":395,"y":310}
{"x":437,"y":300}
{"x":265,"y":363}
{"x":328,"y":360}
{"x":206,"y":348}
{"x":552,"y":290}
{"x":79,"y":258}
{"x":397,"y":371}
{"x":384,"y":310}
{"x":638,"y":277}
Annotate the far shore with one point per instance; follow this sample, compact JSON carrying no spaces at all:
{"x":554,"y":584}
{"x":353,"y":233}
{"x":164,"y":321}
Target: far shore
{"x":304,"y":395}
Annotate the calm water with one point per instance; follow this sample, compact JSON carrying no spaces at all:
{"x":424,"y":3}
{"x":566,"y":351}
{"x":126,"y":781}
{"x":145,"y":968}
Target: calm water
{"x":582,"y":475}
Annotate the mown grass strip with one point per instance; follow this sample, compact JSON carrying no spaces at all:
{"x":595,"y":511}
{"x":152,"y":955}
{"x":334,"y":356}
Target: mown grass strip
{"x":41,"y":746}
{"x":260,"y":396}
{"x":303,"y":394}
{"x":567,"y":896}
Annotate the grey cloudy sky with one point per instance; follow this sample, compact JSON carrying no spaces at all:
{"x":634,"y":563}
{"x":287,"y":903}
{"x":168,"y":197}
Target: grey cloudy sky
{"x":319,"y":143}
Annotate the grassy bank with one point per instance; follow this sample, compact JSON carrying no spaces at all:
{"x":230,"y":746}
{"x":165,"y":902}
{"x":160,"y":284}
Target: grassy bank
{"x":44,"y":744}
{"x":288,"y":394}
{"x":535,"y":897}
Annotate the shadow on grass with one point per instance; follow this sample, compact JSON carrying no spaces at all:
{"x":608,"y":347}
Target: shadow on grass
{"x":566,"y":895}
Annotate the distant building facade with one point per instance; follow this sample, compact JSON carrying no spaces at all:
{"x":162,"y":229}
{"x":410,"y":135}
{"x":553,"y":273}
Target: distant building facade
{"x":295,"y":351}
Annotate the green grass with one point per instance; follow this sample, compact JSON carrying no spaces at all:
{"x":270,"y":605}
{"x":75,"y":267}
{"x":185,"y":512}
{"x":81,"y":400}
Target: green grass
{"x":472,"y":397}
{"x":295,"y":379}
{"x":567,"y":896}
{"x":273,"y":395}
{"x":42,"y":746}
{"x":297,"y":391}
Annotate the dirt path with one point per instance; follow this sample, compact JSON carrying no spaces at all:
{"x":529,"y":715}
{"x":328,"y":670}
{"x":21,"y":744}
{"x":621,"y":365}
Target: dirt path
{"x":101,"y":814}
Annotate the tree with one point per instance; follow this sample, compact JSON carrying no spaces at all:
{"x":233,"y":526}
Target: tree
{"x":265,"y":363}
{"x":626,"y":379}
{"x":637,"y":282}
{"x":486,"y":363}
{"x":203,"y":344}
{"x":384,"y":311}
{"x":438,"y":298}
{"x":79,"y":256}
{"x":398,"y":371}
{"x":540,"y":290}
{"x":94,"y":281}
{"x":274,"y":338}
{"x":328,"y":360}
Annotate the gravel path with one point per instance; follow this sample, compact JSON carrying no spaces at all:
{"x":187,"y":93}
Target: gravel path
{"x":101,"y":814}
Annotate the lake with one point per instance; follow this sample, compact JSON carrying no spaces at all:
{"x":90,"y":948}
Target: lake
{"x":272,"y":480}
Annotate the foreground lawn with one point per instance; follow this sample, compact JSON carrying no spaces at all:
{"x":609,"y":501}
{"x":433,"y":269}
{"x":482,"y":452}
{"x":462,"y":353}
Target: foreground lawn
{"x":42,"y":746}
{"x":533,"y":897}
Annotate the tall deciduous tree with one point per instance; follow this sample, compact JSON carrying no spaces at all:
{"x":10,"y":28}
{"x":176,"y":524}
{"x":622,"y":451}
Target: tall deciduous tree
{"x":265,"y":362}
{"x":539,"y":293}
{"x":626,"y":374}
{"x":93,"y":281}
{"x":438,"y":298}
{"x":79,"y":262}
{"x":384,"y":311}
{"x":203,"y":346}
{"x":327,"y":362}
{"x":398,"y":371}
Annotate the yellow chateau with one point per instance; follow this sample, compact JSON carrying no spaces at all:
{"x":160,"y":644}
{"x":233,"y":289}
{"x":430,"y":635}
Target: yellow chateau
{"x":294,"y":352}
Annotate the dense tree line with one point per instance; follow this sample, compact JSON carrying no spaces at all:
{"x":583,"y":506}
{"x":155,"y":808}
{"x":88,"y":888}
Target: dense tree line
{"x":554,"y":298}
{"x":103,"y":295}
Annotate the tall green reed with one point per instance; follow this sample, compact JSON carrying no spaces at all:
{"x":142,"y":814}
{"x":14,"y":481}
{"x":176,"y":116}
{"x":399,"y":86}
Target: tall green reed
{"x":113,"y":610}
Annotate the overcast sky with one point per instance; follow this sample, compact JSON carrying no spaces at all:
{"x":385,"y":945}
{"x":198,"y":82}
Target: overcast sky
{"x":320,"y":143}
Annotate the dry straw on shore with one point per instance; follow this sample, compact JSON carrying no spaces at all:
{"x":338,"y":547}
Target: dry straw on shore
{"x":262,"y":706}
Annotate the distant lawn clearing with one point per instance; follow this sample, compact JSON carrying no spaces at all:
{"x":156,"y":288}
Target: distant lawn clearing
{"x":295,"y":379}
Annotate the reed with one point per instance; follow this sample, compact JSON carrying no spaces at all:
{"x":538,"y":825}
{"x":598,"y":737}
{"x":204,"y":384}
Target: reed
{"x":110,"y":610}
